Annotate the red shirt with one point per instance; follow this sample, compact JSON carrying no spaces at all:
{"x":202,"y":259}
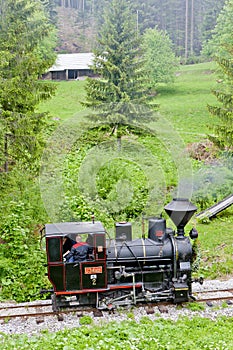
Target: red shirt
{"x":79,"y":244}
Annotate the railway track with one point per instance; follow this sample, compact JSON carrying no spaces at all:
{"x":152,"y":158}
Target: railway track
{"x":44,"y":308}
{"x":206,"y":296}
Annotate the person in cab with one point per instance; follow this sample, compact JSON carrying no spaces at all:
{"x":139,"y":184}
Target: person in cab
{"x":79,"y":251}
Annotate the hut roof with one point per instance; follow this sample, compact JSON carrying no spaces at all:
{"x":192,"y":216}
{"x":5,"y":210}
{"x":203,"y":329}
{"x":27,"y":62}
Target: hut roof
{"x":72,"y":61}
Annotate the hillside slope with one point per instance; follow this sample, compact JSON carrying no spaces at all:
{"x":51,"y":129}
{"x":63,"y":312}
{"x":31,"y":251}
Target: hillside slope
{"x":75,"y":33}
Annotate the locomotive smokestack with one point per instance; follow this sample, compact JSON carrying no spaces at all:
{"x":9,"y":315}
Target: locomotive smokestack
{"x":180,"y":210}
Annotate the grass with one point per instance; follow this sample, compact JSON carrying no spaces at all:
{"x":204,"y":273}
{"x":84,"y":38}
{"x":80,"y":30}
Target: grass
{"x":216,"y":245}
{"x":67,"y":100}
{"x":184,"y":103}
{"x":188,"y":333}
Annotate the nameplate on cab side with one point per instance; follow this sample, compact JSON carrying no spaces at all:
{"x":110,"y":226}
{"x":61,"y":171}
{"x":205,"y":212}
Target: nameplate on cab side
{"x":93,"y":269}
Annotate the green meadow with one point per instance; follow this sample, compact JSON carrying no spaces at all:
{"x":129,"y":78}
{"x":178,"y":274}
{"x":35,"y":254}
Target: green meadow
{"x":183,"y":103}
{"x":67,"y":100}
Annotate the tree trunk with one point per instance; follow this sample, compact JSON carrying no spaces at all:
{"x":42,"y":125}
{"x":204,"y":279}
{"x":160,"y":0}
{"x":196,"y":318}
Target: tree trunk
{"x":186,"y":29}
{"x":192,"y":28}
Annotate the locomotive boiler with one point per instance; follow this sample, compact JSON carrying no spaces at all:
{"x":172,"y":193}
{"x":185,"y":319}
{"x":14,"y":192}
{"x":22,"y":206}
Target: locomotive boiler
{"x":122,"y":271}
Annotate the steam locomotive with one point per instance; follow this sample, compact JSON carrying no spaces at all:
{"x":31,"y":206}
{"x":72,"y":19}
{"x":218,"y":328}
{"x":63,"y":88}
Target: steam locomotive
{"x":122,"y":271}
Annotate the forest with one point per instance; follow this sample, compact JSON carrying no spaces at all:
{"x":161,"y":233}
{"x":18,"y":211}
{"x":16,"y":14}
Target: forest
{"x":189,"y":23}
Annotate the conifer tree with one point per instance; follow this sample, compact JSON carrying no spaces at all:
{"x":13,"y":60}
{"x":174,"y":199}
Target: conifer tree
{"x":25,"y":53}
{"x":223,"y":128}
{"x":119,"y":94}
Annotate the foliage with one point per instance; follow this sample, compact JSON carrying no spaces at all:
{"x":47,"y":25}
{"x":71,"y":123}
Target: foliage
{"x":24,"y":57}
{"x":223,"y":128}
{"x":212,"y":183}
{"x":168,"y":15}
{"x":209,"y":22}
{"x":22,"y":267}
{"x":116,"y":180}
{"x":119,"y":94}
{"x":50,"y":9}
{"x":85,"y":320}
{"x":26,"y":49}
{"x":160,"y":61}
{"x":216,"y":246}
{"x":144,"y":334}
{"x":195,"y":306}
{"x":118,"y":188}
{"x":221,"y":36}
{"x":23,"y":137}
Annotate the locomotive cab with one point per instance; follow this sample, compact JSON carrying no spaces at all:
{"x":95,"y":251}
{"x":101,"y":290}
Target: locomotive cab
{"x":77,"y":277}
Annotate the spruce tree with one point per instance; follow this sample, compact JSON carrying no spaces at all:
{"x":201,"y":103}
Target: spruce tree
{"x":223,"y":128}
{"x":223,"y":112}
{"x":25,"y":54}
{"x":119,"y":93}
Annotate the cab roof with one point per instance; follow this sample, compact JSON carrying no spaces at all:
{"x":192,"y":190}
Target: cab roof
{"x":65,"y":228}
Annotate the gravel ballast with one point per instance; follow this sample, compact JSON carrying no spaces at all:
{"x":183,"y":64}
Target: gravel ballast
{"x":35,"y":325}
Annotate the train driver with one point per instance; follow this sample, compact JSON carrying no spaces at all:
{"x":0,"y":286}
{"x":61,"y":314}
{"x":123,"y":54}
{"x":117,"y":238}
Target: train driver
{"x":79,"y":251}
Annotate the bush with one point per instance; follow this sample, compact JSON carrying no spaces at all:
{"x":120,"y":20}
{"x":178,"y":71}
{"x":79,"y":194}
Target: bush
{"x":22,"y":261}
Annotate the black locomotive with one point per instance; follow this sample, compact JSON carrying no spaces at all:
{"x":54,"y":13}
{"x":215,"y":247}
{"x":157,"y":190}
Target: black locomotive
{"x":121,"y":271}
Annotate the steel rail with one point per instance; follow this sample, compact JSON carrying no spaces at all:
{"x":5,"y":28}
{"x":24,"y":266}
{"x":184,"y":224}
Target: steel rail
{"x":10,"y":310}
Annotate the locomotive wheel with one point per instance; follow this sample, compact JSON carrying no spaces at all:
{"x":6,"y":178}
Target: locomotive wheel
{"x":114,"y":299}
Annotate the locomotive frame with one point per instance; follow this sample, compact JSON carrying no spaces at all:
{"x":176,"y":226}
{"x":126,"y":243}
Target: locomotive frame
{"x":123,"y":271}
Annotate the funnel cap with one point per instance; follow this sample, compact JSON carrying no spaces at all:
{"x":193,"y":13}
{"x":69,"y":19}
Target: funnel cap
{"x":180,"y":210}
